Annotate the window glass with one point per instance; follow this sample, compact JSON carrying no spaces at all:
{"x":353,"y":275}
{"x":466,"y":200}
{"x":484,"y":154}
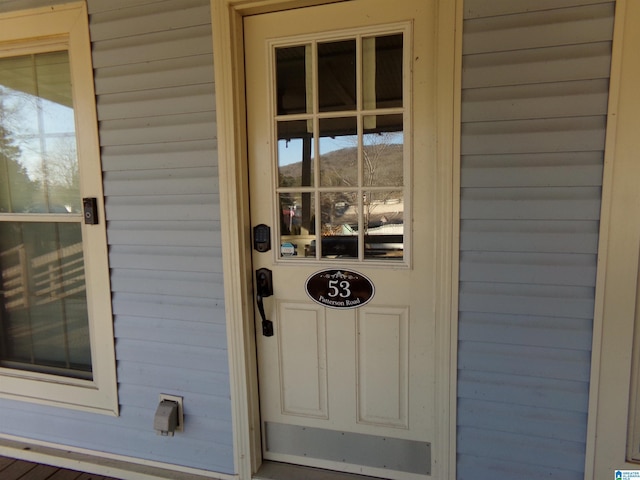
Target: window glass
{"x":38,"y":158}
{"x":293,"y":80}
{"x":383,"y":151}
{"x":340,"y":215}
{"x":295,"y":154}
{"x":383,"y":224}
{"x":43,"y":315}
{"x":382,"y":71}
{"x":338,"y":152}
{"x":337,"y":76}
{"x":297,"y":224}
{"x":43,"y":306}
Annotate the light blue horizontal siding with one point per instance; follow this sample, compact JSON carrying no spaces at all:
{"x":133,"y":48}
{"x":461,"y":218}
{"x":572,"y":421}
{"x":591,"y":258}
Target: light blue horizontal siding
{"x":156,"y":106}
{"x":479,"y":9}
{"x":581,"y":24}
{"x":196,"y":153}
{"x":153,"y":71}
{"x":534,"y":104}
{"x":525,"y":330}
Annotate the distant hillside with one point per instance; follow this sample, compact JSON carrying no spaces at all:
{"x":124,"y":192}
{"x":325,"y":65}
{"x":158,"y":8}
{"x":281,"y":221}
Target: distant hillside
{"x":382,"y":167}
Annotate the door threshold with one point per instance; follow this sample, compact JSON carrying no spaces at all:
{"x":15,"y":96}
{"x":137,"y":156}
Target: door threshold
{"x":286,"y":471}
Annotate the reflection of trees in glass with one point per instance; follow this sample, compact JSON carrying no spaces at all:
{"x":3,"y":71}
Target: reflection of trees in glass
{"x":47,"y":177}
{"x":12,"y":173}
{"x":58,"y":174}
{"x":382,"y":168}
{"x":382,"y":158}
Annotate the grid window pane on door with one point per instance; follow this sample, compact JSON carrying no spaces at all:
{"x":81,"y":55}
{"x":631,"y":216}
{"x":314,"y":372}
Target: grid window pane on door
{"x":44,"y":324}
{"x":340,"y":126}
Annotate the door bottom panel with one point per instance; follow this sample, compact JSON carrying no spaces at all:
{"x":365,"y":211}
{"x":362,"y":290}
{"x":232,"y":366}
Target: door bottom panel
{"x":343,"y":448}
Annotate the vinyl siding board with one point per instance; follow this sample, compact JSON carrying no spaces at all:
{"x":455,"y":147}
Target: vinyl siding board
{"x":545,"y":203}
{"x":525,"y":330}
{"x":556,"y":363}
{"x":537,"y":392}
{"x":156,"y":109}
{"x":559,"y":454}
{"x":198,"y":285}
{"x":180,"y":332}
{"x":173,"y":355}
{"x":178,"y":42}
{"x":544,"y":236}
{"x":524,"y":299}
{"x":531,"y":268}
{"x":516,"y":471}
{"x":494,"y":8}
{"x":167,"y":181}
{"x":163,"y":129}
{"x":533,"y":136}
{"x":559,"y":169}
{"x":162,"y":73}
{"x":158,"y":156}
{"x":534,"y":104}
{"x":551,"y":64}
{"x":182,"y":259}
{"x":163,"y":208}
{"x":160,"y":101}
{"x":147,"y":18}
{"x":545,"y":28}
{"x":548,"y":100}
{"x":148,"y":233}
{"x":169,"y":307}
{"x":173,"y":381}
{"x":518,"y":419}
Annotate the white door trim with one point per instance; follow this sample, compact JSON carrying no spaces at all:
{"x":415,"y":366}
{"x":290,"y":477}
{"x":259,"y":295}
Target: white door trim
{"x":235,"y":222}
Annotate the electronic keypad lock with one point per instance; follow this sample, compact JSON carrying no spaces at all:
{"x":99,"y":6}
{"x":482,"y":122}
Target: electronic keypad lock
{"x":262,"y":238}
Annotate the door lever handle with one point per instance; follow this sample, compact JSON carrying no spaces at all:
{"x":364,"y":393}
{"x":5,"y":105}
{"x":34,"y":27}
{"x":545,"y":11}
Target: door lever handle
{"x":264,"y":288}
{"x":267,"y":325}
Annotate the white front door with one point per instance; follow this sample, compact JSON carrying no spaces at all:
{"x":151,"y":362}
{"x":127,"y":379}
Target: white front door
{"x":342,"y":166}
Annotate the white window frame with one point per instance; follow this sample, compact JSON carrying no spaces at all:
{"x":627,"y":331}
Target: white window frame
{"x":65,"y":27}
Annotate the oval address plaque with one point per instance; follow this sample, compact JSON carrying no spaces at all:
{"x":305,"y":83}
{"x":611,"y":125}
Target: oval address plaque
{"x":339,"y":288}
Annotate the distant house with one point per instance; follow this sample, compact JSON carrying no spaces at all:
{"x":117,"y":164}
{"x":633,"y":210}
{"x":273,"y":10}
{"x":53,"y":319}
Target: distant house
{"x":241,"y":238}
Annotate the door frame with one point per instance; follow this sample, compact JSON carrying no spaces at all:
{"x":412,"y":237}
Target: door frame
{"x":228,"y":52}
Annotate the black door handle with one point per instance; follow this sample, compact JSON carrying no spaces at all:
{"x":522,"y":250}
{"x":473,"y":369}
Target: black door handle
{"x":264,"y":288}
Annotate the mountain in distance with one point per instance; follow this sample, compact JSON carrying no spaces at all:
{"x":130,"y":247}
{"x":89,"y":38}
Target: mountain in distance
{"x":382,"y":166}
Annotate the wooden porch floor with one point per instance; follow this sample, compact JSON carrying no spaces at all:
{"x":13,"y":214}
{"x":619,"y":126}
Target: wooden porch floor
{"x":11,"y":469}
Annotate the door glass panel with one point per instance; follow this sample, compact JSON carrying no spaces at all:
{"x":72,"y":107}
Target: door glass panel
{"x":293,"y":79}
{"x":339,"y":215}
{"x":338,"y":147}
{"x":383,"y":212}
{"x":359,"y":178}
{"x":337,"y":76}
{"x":382,"y":71}
{"x":382,"y":153}
{"x":295,"y":154}
{"x":297,"y":224}
{"x":43,"y":308}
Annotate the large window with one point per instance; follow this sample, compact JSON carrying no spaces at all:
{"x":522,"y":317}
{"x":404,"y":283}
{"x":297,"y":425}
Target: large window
{"x":43,"y":307}
{"x":56,"y":335}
